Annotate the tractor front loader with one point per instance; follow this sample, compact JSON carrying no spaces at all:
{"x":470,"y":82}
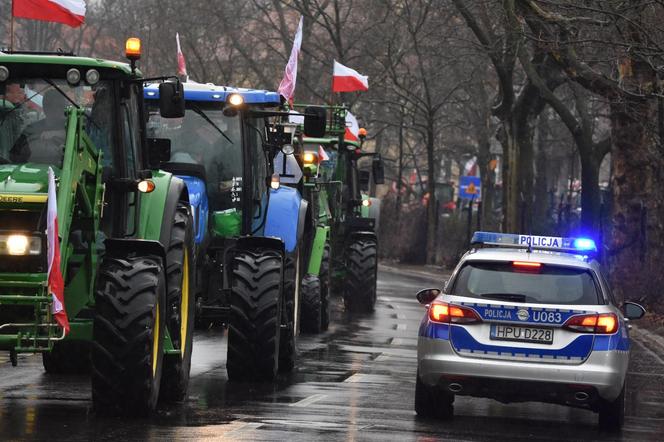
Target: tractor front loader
{"x":125,"y":229}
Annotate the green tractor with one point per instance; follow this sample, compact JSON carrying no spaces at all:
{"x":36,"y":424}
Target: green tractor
{"x":353,"y":252}
{"x":314,"y":251}
{"x":125,"y":229}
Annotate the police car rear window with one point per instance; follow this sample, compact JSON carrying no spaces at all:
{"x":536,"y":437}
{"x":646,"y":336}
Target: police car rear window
{"x":546,"y":285}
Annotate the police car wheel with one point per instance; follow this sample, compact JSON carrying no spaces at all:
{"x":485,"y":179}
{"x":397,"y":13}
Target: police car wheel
{"x":612,"y":414}
{"x":432,"y":402}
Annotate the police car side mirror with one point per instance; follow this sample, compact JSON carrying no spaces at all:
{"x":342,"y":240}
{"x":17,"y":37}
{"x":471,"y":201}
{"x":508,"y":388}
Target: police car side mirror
{"x":426,"y":296}
{"x":633,"y":310}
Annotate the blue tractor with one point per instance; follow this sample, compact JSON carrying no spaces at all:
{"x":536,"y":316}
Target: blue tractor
{"x":248,"y":226}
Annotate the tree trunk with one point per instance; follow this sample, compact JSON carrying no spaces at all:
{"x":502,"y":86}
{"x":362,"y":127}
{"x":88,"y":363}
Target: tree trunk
{"x":511,"y":163}
{"x":637,"y":230}
{"x":590,"y":197}
{"x":432,"y":213}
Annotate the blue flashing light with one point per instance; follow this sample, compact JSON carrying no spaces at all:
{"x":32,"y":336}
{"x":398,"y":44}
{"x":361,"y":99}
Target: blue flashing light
{"x":585,"y":244}
{"x":573,"y":245}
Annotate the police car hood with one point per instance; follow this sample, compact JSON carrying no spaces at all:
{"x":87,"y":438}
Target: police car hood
{"x":23,"y":179}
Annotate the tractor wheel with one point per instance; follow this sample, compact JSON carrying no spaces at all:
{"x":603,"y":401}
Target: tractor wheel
{"x":310,"y":319}
{"x":361,"y":267}
{"x":68,"y":357}
{"x":181,"y":305}
{"x":324,"y":277}
{"x":254,"y":322}
{"x":128,"y":332}
{"x":287,"y":346}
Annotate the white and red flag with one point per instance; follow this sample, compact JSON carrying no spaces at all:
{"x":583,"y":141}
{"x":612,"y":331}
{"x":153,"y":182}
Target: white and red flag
{"x":287,"y":86}
{"x":56,"y":285}
{"x":322,"y":155}
{"x":182,"y":65}
{"x":345,"y":79}
{"x":352,"y":128}
{"x":69,"y":12}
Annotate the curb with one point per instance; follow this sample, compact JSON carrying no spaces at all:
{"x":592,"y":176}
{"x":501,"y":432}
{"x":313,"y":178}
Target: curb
{"x":434,"y":276}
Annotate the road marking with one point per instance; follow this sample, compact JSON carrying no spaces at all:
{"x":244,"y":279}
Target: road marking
{"x":402,"y":326}
{"x":309,"y":400}
{"x":401,"y":316}
{"x":240,"y":428}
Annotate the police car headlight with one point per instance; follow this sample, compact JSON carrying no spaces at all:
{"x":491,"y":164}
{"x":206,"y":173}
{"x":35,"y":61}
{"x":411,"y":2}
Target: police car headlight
{"x":20,"y":245}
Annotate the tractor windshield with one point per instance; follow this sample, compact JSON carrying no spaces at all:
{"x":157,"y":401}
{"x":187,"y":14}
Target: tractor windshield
{"x":205,"y":136}
{"x":33,"y":120}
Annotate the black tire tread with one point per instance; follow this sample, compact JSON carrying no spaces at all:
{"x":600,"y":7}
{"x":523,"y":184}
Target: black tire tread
{"x":254,"y":323}
{"x":361,"y":265}
{"x":122,"y":379}
{"x":176,"y":367}
{"x":311,"y":312}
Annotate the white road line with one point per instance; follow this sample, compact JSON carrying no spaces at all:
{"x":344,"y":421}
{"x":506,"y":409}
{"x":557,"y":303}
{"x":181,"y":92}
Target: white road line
{"x":402,"y":326}
{"x":309,"y":400}
{"x":401,"y":316}
{"x":241,"y":428}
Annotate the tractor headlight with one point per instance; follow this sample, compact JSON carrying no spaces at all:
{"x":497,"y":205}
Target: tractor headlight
{"x":19,"y":245}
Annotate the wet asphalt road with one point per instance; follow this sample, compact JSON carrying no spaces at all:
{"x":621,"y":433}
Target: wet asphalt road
{"x":355,"y":382}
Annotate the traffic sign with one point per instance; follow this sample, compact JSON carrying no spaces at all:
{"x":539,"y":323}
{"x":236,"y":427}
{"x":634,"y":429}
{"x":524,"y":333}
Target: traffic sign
{"x":470,"y":187}
{"x":289,"y":171}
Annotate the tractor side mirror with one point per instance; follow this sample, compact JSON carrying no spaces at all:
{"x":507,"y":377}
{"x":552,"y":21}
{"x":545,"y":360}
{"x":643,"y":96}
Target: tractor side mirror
{"x":315,"y":119}
{"x":378,"y":168}
{"x":426,"y":296}
{"x":171,"y":99}
{"x":365,"y":175}
{"x":159,"y":151}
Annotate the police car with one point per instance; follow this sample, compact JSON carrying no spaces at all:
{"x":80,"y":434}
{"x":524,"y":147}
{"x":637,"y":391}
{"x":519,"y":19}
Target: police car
{"x":525,"y":318}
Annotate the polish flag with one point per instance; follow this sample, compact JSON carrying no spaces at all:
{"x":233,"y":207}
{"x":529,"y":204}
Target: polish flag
{"x":322,"y":155}
{"x":182,"y":66}
{"x":345,"y":79}
{"x":287,"y":86}
{"x":69,"y":12}
{"x":352,"y":128}
{"x":56,"y":286}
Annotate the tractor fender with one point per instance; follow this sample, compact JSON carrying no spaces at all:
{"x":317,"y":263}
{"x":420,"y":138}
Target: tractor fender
{"x":128,"y":247}
{"x":363,"y":234}
{"x":285,"y":216}
{"x":260,"y":242}
{"x":160,"y":205}
{"x":198,"y":200}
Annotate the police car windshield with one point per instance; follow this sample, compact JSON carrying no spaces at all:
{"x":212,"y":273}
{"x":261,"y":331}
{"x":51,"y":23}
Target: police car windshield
{"x":548,"y":285}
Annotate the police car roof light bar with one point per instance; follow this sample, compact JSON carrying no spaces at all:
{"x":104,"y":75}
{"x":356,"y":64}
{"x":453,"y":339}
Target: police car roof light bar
{"x":532,"y":242}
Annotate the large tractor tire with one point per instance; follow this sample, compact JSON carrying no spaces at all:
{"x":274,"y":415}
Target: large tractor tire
{"x":68,"y":357}
{"x":180,"y":301}
{"x":325,"y":288}
{"x":311,"y":312}
{"x":361,"y":270}
{"x":287,"y":345}
{"x":128,"y":331}
{"x":255,"y":316}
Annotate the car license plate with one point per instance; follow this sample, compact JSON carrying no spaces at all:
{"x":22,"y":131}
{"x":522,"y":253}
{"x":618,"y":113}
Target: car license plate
{"x":521,"y":334}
